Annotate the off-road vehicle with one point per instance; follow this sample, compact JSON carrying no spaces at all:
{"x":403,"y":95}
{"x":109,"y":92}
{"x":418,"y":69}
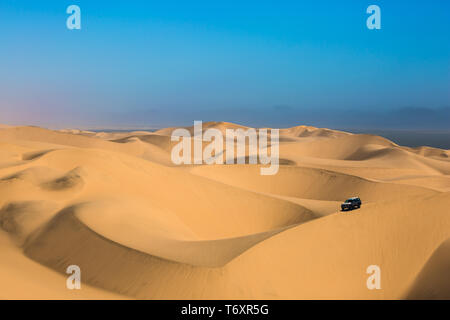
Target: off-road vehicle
{"x":350,"y":204}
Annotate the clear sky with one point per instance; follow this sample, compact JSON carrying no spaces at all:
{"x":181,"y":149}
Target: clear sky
{"x":262,"y":63}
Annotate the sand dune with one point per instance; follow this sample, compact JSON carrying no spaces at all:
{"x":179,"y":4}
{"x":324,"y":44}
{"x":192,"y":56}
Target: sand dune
{"x":114,"y":204}
{"x":309,"y":183}
{"x":432,"y":281}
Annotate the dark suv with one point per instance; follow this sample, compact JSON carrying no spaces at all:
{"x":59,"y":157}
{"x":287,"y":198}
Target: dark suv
{"x":351,"y":203}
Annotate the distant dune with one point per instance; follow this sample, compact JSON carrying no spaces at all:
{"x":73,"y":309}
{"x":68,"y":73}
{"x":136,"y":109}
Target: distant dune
{"x":138,"y":226}
{"x":411,"y":138}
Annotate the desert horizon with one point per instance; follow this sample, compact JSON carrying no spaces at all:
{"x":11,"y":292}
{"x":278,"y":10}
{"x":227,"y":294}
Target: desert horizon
{"x":140,"y":227}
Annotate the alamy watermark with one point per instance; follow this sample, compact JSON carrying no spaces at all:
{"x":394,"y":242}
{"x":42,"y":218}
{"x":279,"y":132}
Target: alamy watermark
{"x":74,"y":280}
{"x":374,"y":280}
{"x":374,"y":20}
{"x":74,"y":20}
{"x":235,"y":140}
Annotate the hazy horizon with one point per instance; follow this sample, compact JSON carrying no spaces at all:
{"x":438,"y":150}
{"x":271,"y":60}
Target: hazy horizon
{"x":436,"y":138}
{"x":277,"y":64}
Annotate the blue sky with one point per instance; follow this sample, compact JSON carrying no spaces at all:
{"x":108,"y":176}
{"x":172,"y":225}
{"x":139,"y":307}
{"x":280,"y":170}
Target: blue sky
{"x":261,"y":63}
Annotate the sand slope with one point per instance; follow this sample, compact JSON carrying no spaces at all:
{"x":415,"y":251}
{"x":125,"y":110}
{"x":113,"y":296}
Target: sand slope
{"x":433,"y":282}
{"x":141,"y":227}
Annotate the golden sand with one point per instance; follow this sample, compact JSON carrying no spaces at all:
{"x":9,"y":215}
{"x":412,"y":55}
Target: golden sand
{"x":140,"y":227}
